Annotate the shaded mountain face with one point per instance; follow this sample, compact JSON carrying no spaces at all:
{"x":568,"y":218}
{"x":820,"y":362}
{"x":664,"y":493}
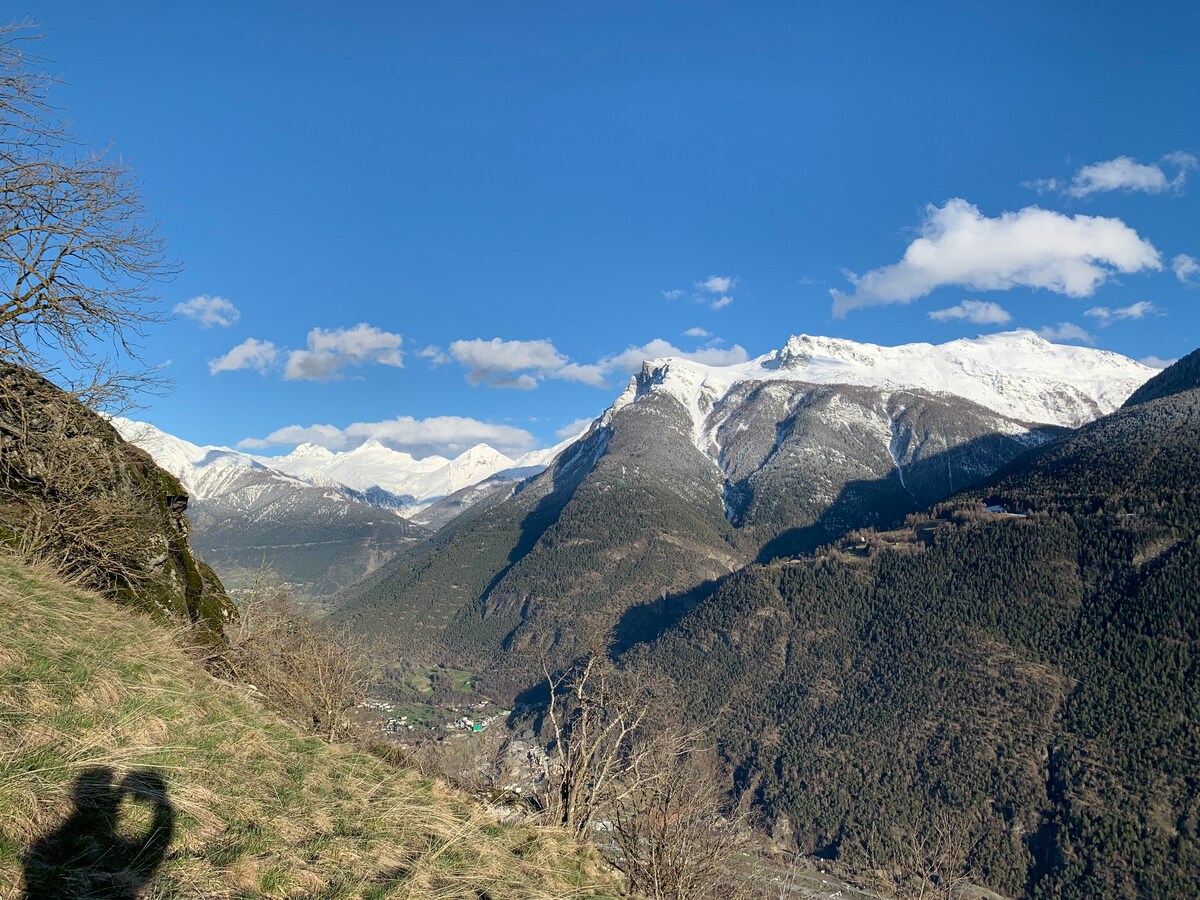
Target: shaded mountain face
{"x":1025,"y":674}
{"x":75,"y":496}
{"x":485,"y":494}
{"x":695,"y":471}
{"x":318,"y":539}
{"x":1183,"y":375}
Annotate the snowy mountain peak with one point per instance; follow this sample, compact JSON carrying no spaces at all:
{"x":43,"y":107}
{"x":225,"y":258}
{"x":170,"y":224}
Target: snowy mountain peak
{"x":371,"y":472}
{"x":476,"y":464}
{"x":1017,"y":374}
{"x":482,"y":452}
{"x":800,"y":350}
{"x":313,"y":452}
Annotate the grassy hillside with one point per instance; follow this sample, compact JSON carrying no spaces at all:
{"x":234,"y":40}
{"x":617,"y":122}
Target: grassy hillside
{"x":123,"y":764}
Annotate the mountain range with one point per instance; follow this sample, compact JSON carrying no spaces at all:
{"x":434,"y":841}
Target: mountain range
{"x":1015,"y":668}
{"x":936,"y":603}
{"x":695,"y":471}
{"x":319,"y":520}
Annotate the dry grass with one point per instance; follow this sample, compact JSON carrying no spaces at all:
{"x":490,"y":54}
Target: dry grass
{"x":259,"y":809}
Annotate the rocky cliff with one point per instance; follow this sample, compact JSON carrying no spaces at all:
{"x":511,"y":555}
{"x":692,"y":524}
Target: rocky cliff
{"x":75,"y":496}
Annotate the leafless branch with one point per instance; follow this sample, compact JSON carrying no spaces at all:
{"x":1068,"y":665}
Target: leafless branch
{"x":79,"y":258}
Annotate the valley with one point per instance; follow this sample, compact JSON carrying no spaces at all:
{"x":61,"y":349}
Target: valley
{"x":619,"y":451}
{"x":827,"y":568}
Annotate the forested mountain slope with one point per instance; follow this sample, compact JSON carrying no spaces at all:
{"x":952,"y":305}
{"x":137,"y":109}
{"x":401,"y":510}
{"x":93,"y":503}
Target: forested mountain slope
{"x":697,"y":470}
{"x":1027,"y":679}
{"x":1182,"y":376}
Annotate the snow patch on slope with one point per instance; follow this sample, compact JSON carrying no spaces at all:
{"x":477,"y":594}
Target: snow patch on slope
{"x":1017,"y":374}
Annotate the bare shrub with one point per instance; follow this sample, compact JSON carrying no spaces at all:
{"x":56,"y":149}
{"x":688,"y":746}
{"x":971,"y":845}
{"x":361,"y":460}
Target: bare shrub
{"x":927,"y":861}
{"x":596,"y":715}
{"x":672,"y":839}
{"x":624,"y":773}
{"x":312,"y":674}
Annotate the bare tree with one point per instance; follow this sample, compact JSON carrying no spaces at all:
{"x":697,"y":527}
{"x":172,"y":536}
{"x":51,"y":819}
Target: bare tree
{"x":312,"y":674}
{"x":625,"y":773}
{"x":596,"y":715}
{"x":673,"y":841}
{"x":928,"y":861}
{"x":79,"y":260}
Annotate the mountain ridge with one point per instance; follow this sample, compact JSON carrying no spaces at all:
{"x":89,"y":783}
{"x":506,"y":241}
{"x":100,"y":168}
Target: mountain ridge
{"x":695,"y":470}
{"x":1017,"y":660}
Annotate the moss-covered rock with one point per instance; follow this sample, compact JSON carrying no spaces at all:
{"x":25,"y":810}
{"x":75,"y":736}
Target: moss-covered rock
{"x":75,"y":495}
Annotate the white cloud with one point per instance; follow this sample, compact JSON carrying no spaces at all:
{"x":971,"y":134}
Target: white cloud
{"x":1066,"y":331}
{"x":487,"y":359}
{"x":721,"y":302}
{"x":1186,"y":268}
{"x":1106,"y":316}
{"x":630,"y":360}
{"x":1034,"y":247}
{"x":1042,"y":185}
{"x":522,"y":382}
{"x":435,"y":355}
{"x":697,"y":332}
{"x":717,"y":284}
{"x":209,"y":311}
{"x":330,"y":351}
{"x":497,"y":363}
{"x":1127,"y":174}
{"x":573,"y":428}
{"x":1157,"y":362}
{"x":249,"y":354}
{"x":440,"y":435}
{"x":978,"y":311}
{"x":674,"y":294}
{"x":524,"y":364}
{"x":584,"y":374}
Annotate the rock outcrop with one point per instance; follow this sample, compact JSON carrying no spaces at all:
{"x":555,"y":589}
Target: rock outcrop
{"x":77,"y":497}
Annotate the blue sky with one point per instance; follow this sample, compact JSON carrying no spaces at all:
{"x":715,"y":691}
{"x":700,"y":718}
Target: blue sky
{"x":385,"y":198}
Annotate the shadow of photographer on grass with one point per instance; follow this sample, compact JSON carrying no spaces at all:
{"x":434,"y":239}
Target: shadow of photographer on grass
{"x":90,"y":855}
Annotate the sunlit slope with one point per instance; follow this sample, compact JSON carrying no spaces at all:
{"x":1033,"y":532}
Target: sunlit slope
{"x":100,"y":704}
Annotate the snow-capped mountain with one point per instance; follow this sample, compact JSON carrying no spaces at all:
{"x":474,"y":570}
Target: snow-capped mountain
{"x":1017,"y":374}
{"x":419,"y":481}
{"x":321,"y":520}
{"x":206,"y":472}
{"x":695,"y":470}
{"x":371,"y":473}
{"x":823,"y":412}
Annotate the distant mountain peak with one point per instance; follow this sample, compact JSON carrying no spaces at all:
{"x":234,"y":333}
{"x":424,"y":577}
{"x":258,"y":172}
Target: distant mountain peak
{"x":311,"y":451}
{"x":481,"y":450}
{"x":372,"y":472}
